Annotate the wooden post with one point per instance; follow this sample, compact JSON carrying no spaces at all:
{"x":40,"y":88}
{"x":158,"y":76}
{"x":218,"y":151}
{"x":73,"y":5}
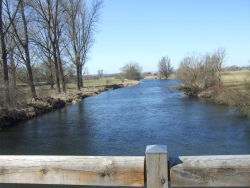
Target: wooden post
{"x":157,"y":166}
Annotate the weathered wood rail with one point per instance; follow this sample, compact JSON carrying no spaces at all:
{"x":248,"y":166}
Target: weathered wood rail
{"x":157,"y":169}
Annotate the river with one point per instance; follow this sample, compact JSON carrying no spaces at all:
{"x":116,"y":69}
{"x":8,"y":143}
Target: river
{"x":123,"y":121}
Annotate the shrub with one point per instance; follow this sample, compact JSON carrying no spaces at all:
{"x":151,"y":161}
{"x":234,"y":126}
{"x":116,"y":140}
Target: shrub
{"x":132,"y":71}
{"x":199,"y":73}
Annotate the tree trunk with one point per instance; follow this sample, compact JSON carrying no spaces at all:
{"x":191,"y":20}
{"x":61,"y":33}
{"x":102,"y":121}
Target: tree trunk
{"x":81,"y":71}
{"x":78,"y":72}
{"x":27,"y":54}
{"x":4,"y":58}
{"x":51,"y":76}
{"x":12,"y":70}
{"x":53,"y":38}
{"x":30,"y":75}
{"x":56,"y":68}
{"x":81,"y":76}
{"x":51,"y":80}
{"x":61,"y":69}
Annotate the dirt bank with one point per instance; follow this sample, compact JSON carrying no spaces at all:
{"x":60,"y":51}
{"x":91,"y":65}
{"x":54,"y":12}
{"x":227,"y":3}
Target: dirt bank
{"x":10,"y":115}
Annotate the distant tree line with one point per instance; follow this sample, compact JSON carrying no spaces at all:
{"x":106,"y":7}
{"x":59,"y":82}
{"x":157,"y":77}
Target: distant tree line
{"x":236,"y":68}
{"x":45,"y":40}
{"x":133,"y":70}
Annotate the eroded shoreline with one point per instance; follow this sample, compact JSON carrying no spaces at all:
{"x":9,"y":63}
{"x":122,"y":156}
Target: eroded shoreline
{"x":9,"y":116}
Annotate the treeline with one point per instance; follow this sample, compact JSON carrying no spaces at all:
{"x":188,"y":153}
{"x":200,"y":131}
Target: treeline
{"x":133,"y":70}
{"x":45,"y":40}
{"x":236,"y":68}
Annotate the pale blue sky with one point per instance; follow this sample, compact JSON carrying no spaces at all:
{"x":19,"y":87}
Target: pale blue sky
{"x":146,"y":30}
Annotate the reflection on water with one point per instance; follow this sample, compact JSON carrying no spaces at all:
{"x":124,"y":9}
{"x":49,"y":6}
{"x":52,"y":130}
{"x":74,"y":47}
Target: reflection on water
{"x":122,"y":122}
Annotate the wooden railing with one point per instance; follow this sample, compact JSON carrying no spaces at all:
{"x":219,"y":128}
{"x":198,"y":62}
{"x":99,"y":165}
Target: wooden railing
{"x":156,"y":169}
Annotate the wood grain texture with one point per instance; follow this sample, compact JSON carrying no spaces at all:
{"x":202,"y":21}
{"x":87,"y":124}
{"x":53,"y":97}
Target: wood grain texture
{"x":210,"y":171}
{"x":73,"y":170}
{"x":157,"y":170}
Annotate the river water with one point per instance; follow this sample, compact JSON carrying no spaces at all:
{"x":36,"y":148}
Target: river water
{"x":123,"y":122}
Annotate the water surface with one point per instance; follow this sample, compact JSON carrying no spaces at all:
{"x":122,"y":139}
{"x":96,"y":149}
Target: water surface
{"x":123,"y":122}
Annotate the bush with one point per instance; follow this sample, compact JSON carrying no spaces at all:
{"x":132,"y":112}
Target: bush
{"x":131,"y":71}
{"x":199,"y":73}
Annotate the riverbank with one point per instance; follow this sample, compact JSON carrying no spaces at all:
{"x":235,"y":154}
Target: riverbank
{"x":235,"y":99}
{"x":158,"y":76}
{"x":233,"y":90}
{"x":10,"y":115}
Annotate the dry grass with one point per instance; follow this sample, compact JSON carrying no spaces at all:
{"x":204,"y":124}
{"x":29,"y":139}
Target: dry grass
{"x":102,"y":82}
{"x":43,"y":90}
{"x":235,"y":79}
{"x":22,"y":92}
{"x":235,"y":91}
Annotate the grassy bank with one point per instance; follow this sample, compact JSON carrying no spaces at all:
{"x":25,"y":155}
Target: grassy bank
{"x":235,"y":79}
{"x":25,"y":108}
{"x":233,"y":90}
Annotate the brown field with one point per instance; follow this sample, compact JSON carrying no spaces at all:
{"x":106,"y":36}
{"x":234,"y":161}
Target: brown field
{"x":235,"y":79}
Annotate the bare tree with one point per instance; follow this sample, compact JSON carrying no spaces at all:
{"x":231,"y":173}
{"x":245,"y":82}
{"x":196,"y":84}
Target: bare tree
{"x":132,"y":71}
{"x":40,"y":30}
{"x":220,"y":57}
{"x":13,"y":62}
{"x":4,"y":56}
{"x":100,"y":73}
{"x":49,"y":15}
{"x":42,"y":41}
{"x":21,"y":36}
{"x":89,"y":31}
{"x":4,"y":29}
{"x":81,"y":28}
{"x":55,"y":31}
{"x":165,"y":68}
{"x":199,"y":72}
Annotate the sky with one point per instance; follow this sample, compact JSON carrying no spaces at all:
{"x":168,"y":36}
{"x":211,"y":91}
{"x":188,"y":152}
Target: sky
{"x":144,"y":31}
